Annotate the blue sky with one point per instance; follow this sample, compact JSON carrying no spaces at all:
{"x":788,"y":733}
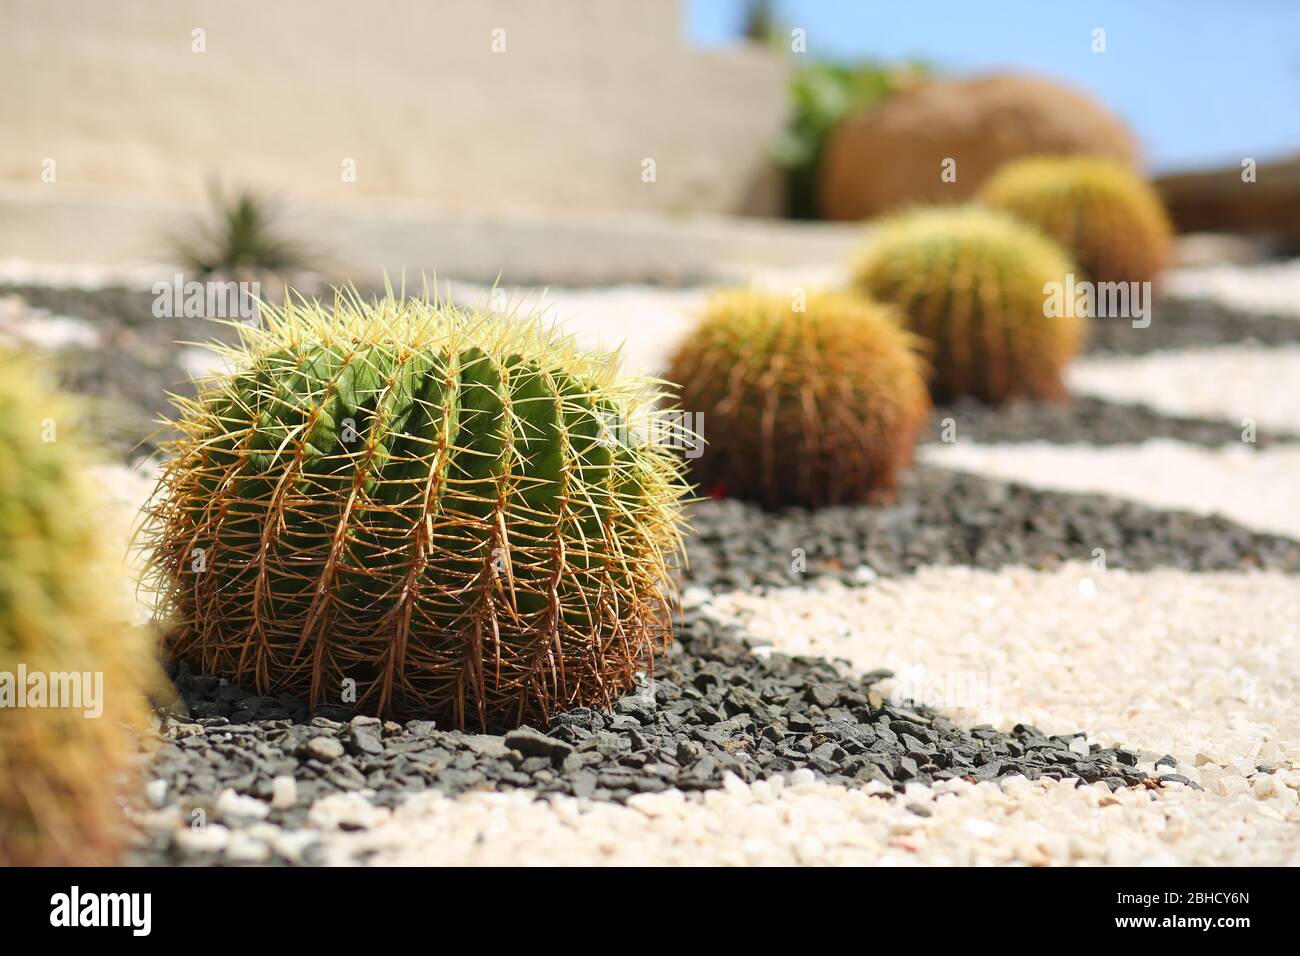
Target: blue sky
{"x":1202,"y":82}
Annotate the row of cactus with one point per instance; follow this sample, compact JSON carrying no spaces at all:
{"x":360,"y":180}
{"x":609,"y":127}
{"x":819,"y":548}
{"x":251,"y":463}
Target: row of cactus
{"x":821,"y":404}
{"x":426,"y":511}
{"x":59,"y":631}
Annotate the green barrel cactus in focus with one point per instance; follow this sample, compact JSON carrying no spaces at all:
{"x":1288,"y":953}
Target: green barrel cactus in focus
{"x":986,"y":291}
{"x":421,"y":511}
{"x":72,"y":673}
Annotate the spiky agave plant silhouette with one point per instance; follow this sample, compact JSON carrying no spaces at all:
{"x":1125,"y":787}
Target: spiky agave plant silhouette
{"x":58,"y":625}
{"x":241,"y":237}
{"x":459,"y":511}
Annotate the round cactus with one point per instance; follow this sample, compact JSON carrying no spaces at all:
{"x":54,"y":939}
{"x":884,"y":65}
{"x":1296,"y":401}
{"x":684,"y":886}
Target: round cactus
{"x":979,"y":286}
{"x":420,"y":511}
{"x":1105,"y":215}
{"x":892,"y":155}
{"x":813,"y":405}
{"x":71,"y":671}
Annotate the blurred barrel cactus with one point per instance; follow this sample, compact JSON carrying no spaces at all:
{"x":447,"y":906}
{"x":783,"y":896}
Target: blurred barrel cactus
{"x":1100,"y":211}
{"x":812,"y":402}
{"x":895,"y":154}
{"x":71,"y":671}
{"x":987,"y":292}
{"x":418,"y":511}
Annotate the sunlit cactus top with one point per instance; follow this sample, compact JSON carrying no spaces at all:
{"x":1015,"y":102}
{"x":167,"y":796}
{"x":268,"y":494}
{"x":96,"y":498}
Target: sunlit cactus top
{"x":420,"y":510}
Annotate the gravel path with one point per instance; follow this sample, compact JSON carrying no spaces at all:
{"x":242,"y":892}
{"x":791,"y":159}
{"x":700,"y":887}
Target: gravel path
{"x":1188,"y":323}
{"x":808,"y":822}
{"x":1200,"y":666}
{"x":945,"y":517}
{"x":1270,"y":288}
{"x":1095,"y":421}
{"x":1257,"y":489}
{"x":1231,"y":383}
{"x":1168,"y":659}
{"x":871,"y":685}
{"x":713,"y":709}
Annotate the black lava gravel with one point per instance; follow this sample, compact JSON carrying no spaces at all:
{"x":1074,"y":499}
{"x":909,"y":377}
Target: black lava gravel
{"x":948,"y":517}
{"x":1178,"y":323}
{"x":712,"y":708}
{"x":1085,"y":421}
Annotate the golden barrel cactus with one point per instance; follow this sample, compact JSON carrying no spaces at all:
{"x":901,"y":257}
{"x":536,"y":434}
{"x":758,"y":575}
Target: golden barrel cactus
{"x":805,"y":402}
{"x":897,"y":154}
{"x":72,"y":674}
{"x":986,"y":291}
{"x":1106,"y":216}
{"x":419,"y":511}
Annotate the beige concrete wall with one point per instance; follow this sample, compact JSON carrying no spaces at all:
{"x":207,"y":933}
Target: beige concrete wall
{"x":412,"y":91}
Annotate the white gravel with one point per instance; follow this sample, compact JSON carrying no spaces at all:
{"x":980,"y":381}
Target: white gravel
{"x":644,"y":321}
{"x":59,"y":275}
{"x":1257,"y":488}
{"x":1272,"y":287}
{"x":20,"y":325}
{"x":124,"y":490}
{"x":811,"y":823}
{"x":1205,"y":667}
{"x":1231,"y":383}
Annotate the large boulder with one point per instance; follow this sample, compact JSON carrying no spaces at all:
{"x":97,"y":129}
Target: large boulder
{"x":893,"y":154}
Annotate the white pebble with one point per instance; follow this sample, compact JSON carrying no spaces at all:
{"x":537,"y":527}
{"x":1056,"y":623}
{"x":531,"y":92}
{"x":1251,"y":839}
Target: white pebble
{"x":284,"y":792}
{"x":234,"y":806}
